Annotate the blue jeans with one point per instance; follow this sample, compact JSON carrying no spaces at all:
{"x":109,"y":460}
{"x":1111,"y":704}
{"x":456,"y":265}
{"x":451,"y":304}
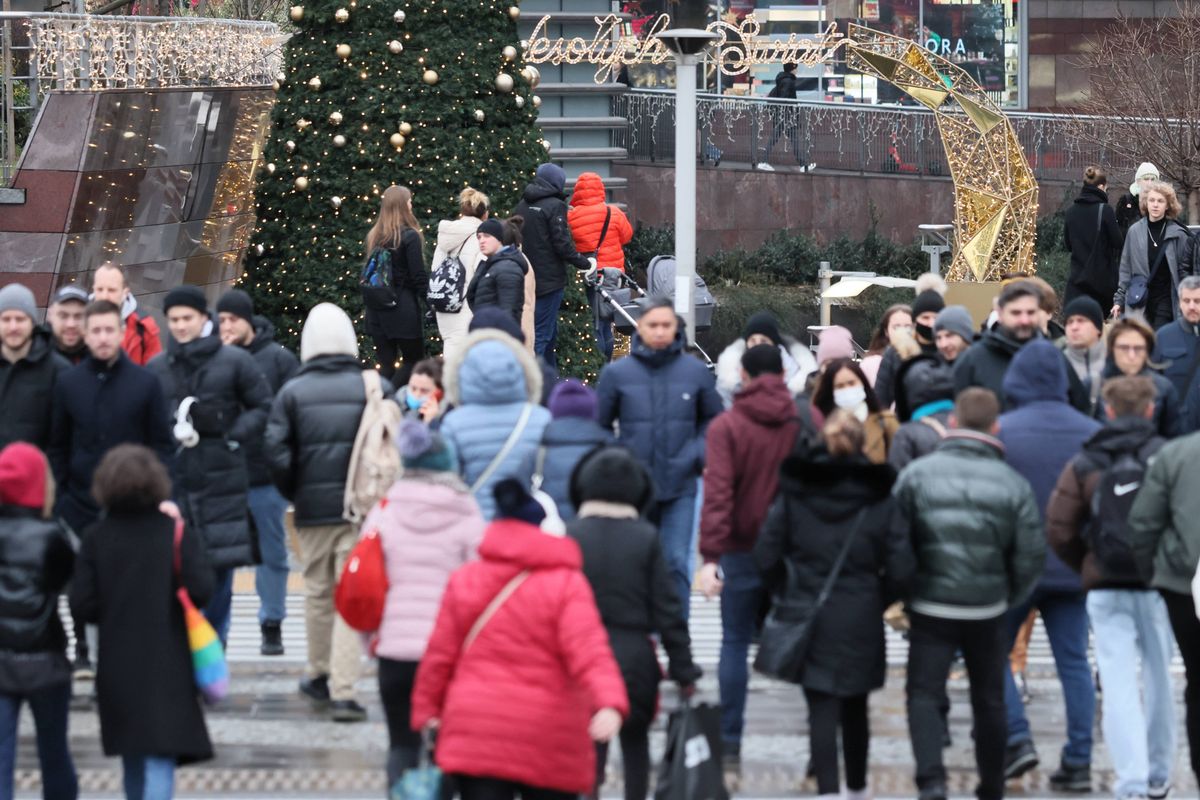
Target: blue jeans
{"x":270,"y":579}
{"x":604,"y":328}
{"x":1066,"y":620}
{"x":677,"y":532}
{"x":49,"y":707}
{"x":218,"y":610}
{"x":1132,"y":626}
{"x":149,"y":777}
{"x":545,"y":326}
{"x":740,"y":599}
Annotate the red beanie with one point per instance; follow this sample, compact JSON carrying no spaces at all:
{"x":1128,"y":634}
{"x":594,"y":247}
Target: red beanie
{"x":22,"y":476}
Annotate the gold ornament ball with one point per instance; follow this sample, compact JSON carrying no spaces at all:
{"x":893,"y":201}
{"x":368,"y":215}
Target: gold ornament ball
{"x":532,"y":75}
{"x":296,"y":13}
{"x":514,"y":12}
{"x":520,"y":101}
{"x":510,"y":53}
{"x":314,"y":83}
{"x":479,"y":115}
{"x":302,"y":183}
{"x":546,"y":144}
{"x":302,"y":123}
{"x":339,"y":141}
{"x":341,"y":15}
{"x":505,"y":82}
{"x":397,"y":140}
{"x":430,"y":77}
{"x":275,"y":86}
{"x":336,"y":118}
{"x":537,"y":101}
{"x":259,"y":249}
{"x":343,"y":51}
{"x":290,"y":146}
{"x":335,"y":201}
{"x":395,"y":47}
{"x":406,"y":129}
{"x":270,"y":169}
{"x":399,"y":17}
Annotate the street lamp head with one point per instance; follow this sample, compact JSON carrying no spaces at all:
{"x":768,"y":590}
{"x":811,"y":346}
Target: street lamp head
{"x":686,"y":41}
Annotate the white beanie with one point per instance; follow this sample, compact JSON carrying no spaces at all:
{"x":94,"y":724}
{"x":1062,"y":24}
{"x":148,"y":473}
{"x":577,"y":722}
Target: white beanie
{"x":327,"y":332}
{"x":1145,"y":170}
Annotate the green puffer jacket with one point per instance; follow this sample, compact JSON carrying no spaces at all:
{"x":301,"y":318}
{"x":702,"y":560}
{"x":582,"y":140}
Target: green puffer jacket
{"x":1166,"y":538}
{"x":976,"y":529}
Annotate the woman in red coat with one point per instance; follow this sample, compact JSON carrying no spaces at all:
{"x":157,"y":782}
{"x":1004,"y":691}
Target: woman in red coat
{"x":518,"y":706}
{"x":589,"y":210}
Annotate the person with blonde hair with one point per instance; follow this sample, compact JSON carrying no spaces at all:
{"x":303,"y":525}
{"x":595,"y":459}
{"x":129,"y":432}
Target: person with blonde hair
{"x":395,"y":320}
{"x":456,"y":240}
{"x":1154,"y":259}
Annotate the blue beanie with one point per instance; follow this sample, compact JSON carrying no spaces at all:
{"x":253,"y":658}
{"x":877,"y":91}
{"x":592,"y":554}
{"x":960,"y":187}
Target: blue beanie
{"x":553,"y":174}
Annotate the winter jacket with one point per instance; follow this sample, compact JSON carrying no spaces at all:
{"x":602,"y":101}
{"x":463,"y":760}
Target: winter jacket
{"x":516,"y":705}
{"x":126,"y":583}
{"x":887,"y":378}
{"x":798,"y":365}
{"x":310,"y":436}
{"x":1094,"y":239}
{"x":921,"y":435}
{"x":36,"y":560}
{"x":1134,"y":258}
{"x":278,"y":365}
{"x":1168,"y":414}
{"x":430,"y":526}
{"x":586,"y":218}
{"x":564,"y":442}
{"x":490,"y":384}
{"x":548,"y":243}
{"x":1128,"y":211}
{"x":819,"y":501}
{"x":1088,"y":365}
{"x":745,"y":447}
{"x":785,"y":86}
{"x":143,"y":339}
{"x":1070,"y":508}
{"x":209,"y":480}
{"x":27,"y":392}
{"x":921,"y":380}
{"x":984,"y":363}
{"x":663,"y":401}
{"x":456,"y":237}
{"x":976,"y":530}
{"x":1041,"y":433}
{"x":1177,"y":346}
{"x":500,"y":281}
{"x":410,"y":284}
{"x":96,"y":408}
{"x":1163,"y":520}
{"x":624,"y":563}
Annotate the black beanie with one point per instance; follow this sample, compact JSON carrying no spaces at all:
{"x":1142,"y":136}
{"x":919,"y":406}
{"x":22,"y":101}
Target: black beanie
{"x":498,"y":318}
{"x":762,"y":359}
{"x":614,"y":475}
{"x":763,"y":323}
{"x":186,"y":295}
{"x":492,"y":227}
{"x":513,"y":502}
{"x":238,"y":303}
{"x":1084,"y":306}
{"x":926,"y":301}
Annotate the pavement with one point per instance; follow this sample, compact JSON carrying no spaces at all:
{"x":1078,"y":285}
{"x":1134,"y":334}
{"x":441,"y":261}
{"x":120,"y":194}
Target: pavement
{"x":270,"y":743}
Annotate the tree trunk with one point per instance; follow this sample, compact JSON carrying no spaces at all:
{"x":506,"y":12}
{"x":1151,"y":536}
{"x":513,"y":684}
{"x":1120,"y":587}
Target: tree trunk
{"x":1193,"y":206}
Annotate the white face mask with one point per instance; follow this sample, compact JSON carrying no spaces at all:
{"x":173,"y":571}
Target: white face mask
{"x":850,"y":398}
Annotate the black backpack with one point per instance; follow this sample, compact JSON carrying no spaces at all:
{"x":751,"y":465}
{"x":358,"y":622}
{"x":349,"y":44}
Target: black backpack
{"x":1107,"y":532}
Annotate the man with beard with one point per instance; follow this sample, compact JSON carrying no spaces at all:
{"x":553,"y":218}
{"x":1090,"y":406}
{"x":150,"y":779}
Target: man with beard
{"x":65,"y":320}
{"x":29,"y":369}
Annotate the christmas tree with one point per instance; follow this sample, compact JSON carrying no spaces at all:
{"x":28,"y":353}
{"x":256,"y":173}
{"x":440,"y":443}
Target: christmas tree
{"x":429,"y":94}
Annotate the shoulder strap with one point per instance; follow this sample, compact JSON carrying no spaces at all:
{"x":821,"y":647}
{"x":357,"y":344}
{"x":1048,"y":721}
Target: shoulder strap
{"x":604,"y":229}
{"x":509,"y":444}
{"x":1158,"y":260}
{"x":840,"y":561}
{"x":539,"y":467}
{"x":933,"y":423}
{"x":493,"y":607}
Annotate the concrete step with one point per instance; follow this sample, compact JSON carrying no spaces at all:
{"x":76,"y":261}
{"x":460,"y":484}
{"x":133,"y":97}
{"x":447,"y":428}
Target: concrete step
{"x":582,"y":123}
{"x":580,"y":88}
{"x":568,"y":16}
{"x":588,"y":153}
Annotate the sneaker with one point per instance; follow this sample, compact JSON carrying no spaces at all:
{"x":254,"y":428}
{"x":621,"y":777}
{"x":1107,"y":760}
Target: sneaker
{"x":347,"y":711}
{"x":316,"y":689}
{"x":82,"y":669}
{"x":1071,"y":778}
{"x":765,"y":167}
{"x":809,"y":167}
{"x":935,"y":792}
{"x":1159,"y":791}
{"x":272,"y":639}
{"x":1019,"y":759}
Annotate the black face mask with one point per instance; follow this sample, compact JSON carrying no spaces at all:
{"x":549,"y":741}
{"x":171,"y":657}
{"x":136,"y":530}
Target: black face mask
{"x":924,"y":331}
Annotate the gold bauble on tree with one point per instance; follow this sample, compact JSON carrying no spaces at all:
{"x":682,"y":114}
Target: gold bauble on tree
{"x":398,"y":17}
{"x":296,"y":13}
{"x":546,"y":144}
{"x":479,"y":115}
{"x":532,"y":75}
{"x":514,"y":12}
{"x":430,"y":77}
{"x":510,"y":53}
{"x":302,"y":123}
{"x":336,"y":118}
{"x":259,"y":249}
{"x":537,"y":101}
{"x":520,"y":101}
{"x":395,"y":47}
{"x":314,"y":83}
{"x":336,"y":202}
{"x":342,"y":15}
{"x":505,"y":82}
{"x":339,"y":141}
{"x":343,"y":51}
{"x":290,"y":146}
{"x":301,"y":183}
{"x":270,"y":169}
{"x":406,"y":129}
{"x":397,"y":140}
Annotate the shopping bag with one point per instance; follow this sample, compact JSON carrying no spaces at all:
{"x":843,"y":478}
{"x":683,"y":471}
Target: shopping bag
{"x":208,"y":657}
{"x":422,"y":783}
{"x":361,"y":592}
{"x":691,"y":768}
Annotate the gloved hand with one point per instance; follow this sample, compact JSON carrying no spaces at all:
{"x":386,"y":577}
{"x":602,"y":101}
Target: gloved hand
{"x":591,"y":274}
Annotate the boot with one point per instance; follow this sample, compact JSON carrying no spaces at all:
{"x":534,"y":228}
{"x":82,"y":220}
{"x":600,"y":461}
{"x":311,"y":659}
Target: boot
{"x":272,"y":639}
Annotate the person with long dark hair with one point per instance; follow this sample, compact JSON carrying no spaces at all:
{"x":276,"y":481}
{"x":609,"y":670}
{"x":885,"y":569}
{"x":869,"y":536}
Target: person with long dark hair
{"x":395,"y":320}
{"x":1093,"y":236}
{"x":896,"y":318}
{"x":843,"y":385}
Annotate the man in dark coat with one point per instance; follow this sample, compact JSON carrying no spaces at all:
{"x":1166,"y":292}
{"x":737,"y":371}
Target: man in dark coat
{"x":241,"y":328}
{"x":229,"y":399}
{"x":662,"y":400}
{"x":1041,"y":433}
{"x":1177,"y":345}
{"x":64,"y":318}
{"x":29,"y":368}
{"x":550,"y":248}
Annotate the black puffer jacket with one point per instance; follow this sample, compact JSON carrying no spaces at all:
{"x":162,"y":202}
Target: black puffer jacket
{"x":887,"y":379}
{"x":925,"y":390}
{"x":26,"y":392}
{"x":984,"y":363}
{"x":310,"y":436}
{"x":410,"y":285}
{"x":278,"y":365}
{"x":819,"y":500}
{"x":976,"y":529}
{"x":1094,"y":239}
{"x":210,"y":479}
{"x":548,"y":243}
{"x":36,"y":559}
{"x":500,"y":281}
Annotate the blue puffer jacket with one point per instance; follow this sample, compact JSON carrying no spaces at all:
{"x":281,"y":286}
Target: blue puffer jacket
{"x":663,"y":400}
{"x":1041,"y":434}
{"x":490,"y":381}
{"x":1175,"y":347}
{"x":565,"y":441}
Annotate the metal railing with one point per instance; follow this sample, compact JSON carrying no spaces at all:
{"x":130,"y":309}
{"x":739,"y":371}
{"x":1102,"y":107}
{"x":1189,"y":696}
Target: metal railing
{"x":838,"y":136}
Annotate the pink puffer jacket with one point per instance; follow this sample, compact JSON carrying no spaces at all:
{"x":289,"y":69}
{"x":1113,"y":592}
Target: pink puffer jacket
{"x":430,"y":526}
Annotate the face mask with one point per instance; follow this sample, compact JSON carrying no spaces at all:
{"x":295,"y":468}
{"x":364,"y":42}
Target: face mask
{"x":414,"y":402}
{"x":925,"y":332}
{"x":849,"y":398}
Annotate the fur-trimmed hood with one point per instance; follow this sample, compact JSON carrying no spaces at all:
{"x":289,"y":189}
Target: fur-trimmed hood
{"x":492,"y":368}
{"x":829,"y":486}
{"x":798,"y":364}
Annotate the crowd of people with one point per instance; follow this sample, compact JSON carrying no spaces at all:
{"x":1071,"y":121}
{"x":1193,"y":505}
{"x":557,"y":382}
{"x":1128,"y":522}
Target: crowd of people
{"x":541,"y":536}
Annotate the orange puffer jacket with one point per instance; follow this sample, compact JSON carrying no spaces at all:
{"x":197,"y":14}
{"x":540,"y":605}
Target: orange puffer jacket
{"x":586,"y":218}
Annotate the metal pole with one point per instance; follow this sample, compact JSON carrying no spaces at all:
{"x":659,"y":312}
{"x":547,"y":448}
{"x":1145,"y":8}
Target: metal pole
{"x":825,"y":276}
{"x":10,"y":99}
{"x":685,"y":189}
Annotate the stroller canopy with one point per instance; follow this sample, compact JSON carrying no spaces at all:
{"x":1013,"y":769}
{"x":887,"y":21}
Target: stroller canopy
{"x":660,"y":279}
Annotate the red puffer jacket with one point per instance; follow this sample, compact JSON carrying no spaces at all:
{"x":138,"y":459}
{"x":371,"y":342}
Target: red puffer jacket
{"x":586,"y":219}
{"x":516,"y":706}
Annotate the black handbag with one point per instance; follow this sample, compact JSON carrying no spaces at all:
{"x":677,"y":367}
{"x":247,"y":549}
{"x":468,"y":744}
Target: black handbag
{"x":788,"y":630}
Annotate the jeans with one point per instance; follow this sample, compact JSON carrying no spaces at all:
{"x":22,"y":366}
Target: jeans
{"x":827,"y":715}
{"x":1065,"y":617}
{"x":1182,"y":611}
{"x":149,"y":777}
{"x":740,"y":599}
{"x":49,"y":707}
{"x":1132,"y":626}
{"x":932,"y":645}
{"x":217,"y":612}
{"x":677,"y":532}
{"x":604,"y":328}
{"x":268,"y":506}
{"x":545,"y":326}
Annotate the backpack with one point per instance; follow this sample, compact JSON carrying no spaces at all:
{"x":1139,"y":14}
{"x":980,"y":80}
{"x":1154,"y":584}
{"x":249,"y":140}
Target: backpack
{"x":361,"y":594}
{"x":1107,"y":531}
{"x":375,"y":459}
{"x":375,"y":280}
{"x":448,"y":283}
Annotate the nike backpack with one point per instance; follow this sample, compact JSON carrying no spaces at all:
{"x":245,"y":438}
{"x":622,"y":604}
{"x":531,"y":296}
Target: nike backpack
{"x":1107,"y":534}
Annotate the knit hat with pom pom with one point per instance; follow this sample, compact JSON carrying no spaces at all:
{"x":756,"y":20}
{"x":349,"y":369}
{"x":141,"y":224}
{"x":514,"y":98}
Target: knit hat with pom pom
{"x":421,"y":448}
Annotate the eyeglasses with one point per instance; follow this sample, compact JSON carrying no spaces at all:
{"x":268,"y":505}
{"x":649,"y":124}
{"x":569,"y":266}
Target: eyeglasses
{"x":1132,"y":349}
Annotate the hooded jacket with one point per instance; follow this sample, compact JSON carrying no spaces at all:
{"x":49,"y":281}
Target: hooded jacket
{"x":1177,"y":345}
{"x":745,"y":447}
{"x":1135,"y":260}
{"x":516,"y":705}
{"x":1094,"y":238}
{"x":143,"y":339}
{"x":547,"y":236}
{"x":1163,"y":518}
{"x":430,"y":526}
{"x":1168,"y":415}
{"x":1041,"y":433}
{"x":586,"y":218}
{"x":564,"y":442}
{"x":924,"y":399}
{"x":490,"y":383}
{"x":27,"y":392}
{"x":456,"y":237}
{"x":798,"y":365}
{"x":663,"y":401}
{"x":500,"y":281}
{"x":278,"y":365}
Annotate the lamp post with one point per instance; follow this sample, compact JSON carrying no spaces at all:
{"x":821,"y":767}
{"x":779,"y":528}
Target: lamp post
{"x":687,"y":45}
